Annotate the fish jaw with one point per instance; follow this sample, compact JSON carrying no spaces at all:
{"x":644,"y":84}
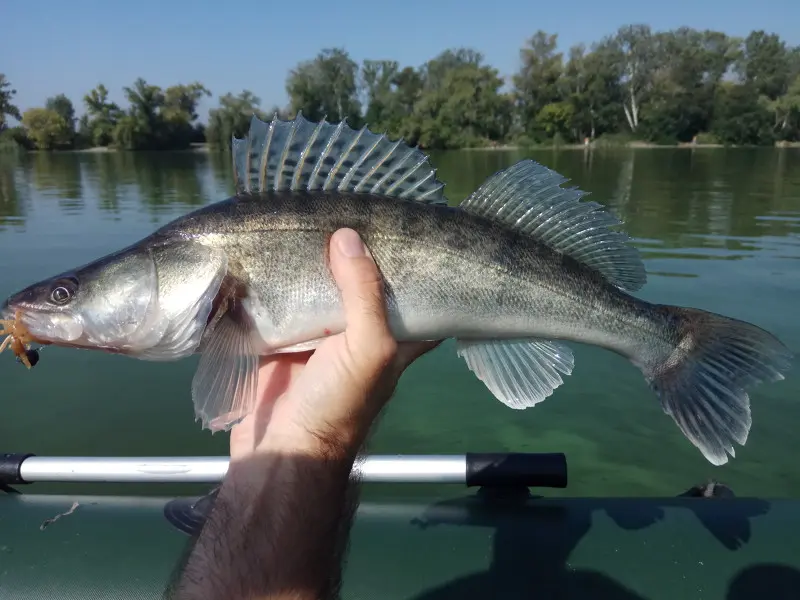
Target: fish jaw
{"x":110,"y":304}
{"x":42,"y":324}
{"x":150,"y":301}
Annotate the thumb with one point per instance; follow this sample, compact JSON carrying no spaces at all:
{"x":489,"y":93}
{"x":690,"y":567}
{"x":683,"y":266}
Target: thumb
{"x":362,"y":289}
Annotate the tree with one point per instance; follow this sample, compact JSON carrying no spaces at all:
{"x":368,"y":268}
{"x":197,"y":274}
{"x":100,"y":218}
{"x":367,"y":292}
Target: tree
{"x":62,"y":106}
{"x":739,"y":117}
{"x":139,"y":128}
{"x":378,"y":79}
{"x":7,"y":108}
{"x":663,"y":86}
{"x":232,"y":118}
{"x":46,"y":128}
{"x":689,"y":66}
{"x":537,"y":83}
{"x":326,"y":87}
{"x":179,"y":113}
{"x":636,"y":51}
{"x":103,"y":116}
{"x":391,"y":95}
{"x":764,"y":64}
{"x":156,"y":120}
{"x":786,"y":111}
{"x":462,"y":107}
{"x":590,"y":84}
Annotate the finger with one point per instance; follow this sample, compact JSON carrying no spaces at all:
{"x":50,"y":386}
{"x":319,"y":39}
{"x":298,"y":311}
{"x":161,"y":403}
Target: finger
{"x":361,"y":286}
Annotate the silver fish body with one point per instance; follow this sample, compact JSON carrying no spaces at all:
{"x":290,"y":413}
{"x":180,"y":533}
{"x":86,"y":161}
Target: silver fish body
{"x":521,"y":266}
{"x":448,"y":273}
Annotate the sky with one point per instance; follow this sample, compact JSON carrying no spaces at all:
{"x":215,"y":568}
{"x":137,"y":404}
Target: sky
{"x":58,"y":46}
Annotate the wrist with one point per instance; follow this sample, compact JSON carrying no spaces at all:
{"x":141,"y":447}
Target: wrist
{"x":338,"y":433}
{"x":283,"y":443}
{"x":319,"y":441}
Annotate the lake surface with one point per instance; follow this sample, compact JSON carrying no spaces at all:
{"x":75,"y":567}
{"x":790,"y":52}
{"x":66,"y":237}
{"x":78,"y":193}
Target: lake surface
{"x":718,"y":229}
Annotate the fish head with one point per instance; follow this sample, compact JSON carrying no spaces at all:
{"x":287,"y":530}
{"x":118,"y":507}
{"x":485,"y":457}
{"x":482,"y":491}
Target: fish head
{"x":109,"y":304}
{"x":151,"y":301}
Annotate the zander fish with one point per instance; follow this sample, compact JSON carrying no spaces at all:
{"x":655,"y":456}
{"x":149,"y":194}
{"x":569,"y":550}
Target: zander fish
{"x":520,"y":266}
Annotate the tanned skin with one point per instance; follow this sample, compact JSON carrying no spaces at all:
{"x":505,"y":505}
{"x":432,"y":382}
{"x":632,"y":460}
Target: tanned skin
{"x":281,"y":521}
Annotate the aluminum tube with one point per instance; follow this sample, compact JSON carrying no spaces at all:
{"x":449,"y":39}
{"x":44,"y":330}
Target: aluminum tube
{"x":211,"y":469}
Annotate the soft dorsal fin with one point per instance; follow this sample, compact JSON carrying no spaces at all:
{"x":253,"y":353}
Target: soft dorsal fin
{"x":302,"y":155}
{"x":528,"y":197}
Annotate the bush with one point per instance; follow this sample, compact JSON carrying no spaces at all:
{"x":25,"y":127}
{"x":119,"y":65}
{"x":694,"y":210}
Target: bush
{"x":613,"y":140}
{"x":14,"y":139}
{"x":705,"y":137}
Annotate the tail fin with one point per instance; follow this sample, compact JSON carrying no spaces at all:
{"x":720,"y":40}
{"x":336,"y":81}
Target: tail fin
{"x":701,"y":384}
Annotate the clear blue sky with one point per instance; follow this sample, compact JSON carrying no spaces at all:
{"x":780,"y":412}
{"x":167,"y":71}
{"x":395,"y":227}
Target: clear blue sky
{"x":70,"y":46}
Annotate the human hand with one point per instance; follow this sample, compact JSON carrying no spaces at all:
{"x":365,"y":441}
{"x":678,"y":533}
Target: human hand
{"x":326,"y":400}
{"x":281,"y":518}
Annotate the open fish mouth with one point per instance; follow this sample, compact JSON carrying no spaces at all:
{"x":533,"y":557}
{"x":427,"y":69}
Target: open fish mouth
{"x":18,"y":338}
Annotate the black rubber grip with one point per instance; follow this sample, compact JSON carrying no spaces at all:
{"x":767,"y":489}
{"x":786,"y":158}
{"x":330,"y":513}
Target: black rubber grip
{"x":10,"y":465}
{"x":515,"y":469}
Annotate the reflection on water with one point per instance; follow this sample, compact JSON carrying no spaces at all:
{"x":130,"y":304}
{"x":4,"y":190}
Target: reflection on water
{"x":715,"y":228}
{"x":726,"y":200}
{"x":115,"y":182}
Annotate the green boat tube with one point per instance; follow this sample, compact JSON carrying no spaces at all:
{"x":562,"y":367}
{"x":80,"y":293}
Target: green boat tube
{"x":494,"y":537}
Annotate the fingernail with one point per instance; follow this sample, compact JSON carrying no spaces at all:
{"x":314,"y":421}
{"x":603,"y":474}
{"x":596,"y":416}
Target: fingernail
{"x":350,"y":244}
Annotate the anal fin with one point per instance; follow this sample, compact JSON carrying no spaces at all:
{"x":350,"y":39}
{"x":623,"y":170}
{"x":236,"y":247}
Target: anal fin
{"x":224,"y":385}
{"x":520,"y":373}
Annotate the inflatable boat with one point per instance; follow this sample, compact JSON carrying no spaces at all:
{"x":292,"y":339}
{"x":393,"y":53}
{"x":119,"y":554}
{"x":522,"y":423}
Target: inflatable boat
{"x":492,"y":536}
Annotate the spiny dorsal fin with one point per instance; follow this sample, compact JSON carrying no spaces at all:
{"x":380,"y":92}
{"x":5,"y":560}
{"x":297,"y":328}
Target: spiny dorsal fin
{"x":528,"y":197}
{"x":301,"y":155}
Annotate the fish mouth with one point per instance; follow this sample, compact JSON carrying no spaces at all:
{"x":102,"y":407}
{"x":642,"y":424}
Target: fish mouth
{"x":41,"y":326}
{"x":53,"y":328}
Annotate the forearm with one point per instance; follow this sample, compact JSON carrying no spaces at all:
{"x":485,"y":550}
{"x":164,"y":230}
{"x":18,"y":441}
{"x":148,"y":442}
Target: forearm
{"x":278,"y":529}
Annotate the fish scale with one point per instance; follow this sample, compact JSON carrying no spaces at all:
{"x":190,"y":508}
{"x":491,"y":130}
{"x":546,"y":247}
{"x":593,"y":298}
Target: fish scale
{"x":522,"y":266}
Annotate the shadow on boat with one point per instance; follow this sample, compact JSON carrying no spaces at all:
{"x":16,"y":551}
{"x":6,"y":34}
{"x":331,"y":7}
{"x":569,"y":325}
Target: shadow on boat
{"x":534,"y":539}
{"x":538,"y":550}
{"x":773,"y":581}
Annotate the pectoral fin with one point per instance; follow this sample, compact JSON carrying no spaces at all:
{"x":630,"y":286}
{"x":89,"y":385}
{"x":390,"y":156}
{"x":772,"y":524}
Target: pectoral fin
{"x":224,"y":386}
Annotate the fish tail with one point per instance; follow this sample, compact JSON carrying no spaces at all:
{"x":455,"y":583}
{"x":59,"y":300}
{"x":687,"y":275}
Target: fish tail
{"x":702,"y":380}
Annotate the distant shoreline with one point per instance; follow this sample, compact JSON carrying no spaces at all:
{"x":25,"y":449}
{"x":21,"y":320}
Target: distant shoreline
{"x":636,"y":145}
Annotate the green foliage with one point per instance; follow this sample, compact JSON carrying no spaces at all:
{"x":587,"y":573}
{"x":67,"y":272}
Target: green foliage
{"x":536,"y":85}
{"x":707,"y":138}
{"x":46,"y":128}
{"x":7,"y":108}
{"x":14,"y":139}
{"x":326,"y":87}
{"x":158,"y":119}
{"x":636,"y":84}
{"x":556,"y":118}
{"x":740,"y":118}
{"x":155,"y":120}
{"x":459,"y":104}
{"x":232,"y":118}
{"x":614,"y":140}
{"x":102,"y":117}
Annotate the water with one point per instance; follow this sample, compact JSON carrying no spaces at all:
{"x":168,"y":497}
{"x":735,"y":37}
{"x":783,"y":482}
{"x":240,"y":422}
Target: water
{"x":719,"y":230}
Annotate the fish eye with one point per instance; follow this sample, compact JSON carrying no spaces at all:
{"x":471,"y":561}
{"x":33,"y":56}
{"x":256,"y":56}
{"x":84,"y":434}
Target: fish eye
{"x":63,"y":292}
{"x":60,"y":295}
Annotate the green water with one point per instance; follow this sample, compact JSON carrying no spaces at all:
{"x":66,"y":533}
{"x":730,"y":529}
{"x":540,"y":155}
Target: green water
{"x":719,"y":230}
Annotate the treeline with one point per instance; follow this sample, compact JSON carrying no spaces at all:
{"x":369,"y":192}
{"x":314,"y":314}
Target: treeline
{"x":637,"y":84}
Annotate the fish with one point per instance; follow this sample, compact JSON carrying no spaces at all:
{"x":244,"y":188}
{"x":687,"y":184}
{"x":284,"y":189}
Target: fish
{"x":515,"y":272}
